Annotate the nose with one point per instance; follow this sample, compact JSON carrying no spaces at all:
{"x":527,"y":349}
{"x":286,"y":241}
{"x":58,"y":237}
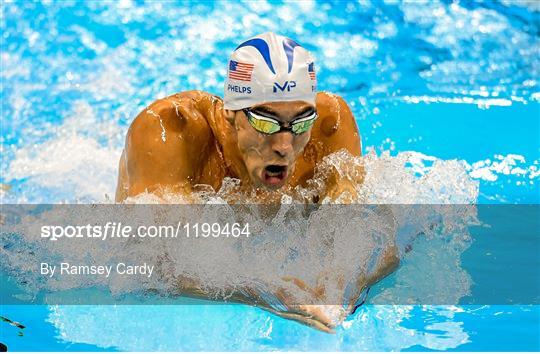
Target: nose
{"x":282,"y":144}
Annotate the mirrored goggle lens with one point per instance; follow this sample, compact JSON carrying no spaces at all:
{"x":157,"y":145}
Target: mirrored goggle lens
{"x":304,"y":124}
{"x":263,"y":125}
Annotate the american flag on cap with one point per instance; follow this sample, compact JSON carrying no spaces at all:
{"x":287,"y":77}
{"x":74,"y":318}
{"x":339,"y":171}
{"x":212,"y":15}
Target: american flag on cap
{"x":240,"y":71}
{"x":311,"y":71}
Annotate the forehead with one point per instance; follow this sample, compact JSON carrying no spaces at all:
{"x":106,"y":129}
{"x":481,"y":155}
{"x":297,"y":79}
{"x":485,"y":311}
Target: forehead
{"x":284,"y":105}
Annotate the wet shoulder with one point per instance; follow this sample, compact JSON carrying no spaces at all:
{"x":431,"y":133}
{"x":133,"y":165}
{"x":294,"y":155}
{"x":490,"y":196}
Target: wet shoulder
{"x":177,"y":112}
{"x":183,"y":115}
{"x":332,"y":110}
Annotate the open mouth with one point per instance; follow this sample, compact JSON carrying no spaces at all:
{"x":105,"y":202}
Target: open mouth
{"x":274,"y":175}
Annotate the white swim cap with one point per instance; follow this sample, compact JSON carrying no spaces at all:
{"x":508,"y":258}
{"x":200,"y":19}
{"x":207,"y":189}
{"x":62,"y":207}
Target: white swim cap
{"x":269,"y":68}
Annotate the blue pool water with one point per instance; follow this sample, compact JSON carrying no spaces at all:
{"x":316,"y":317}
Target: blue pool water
{"x":446,"y":81}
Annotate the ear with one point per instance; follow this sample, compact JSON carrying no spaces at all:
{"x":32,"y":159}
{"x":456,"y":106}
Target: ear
{"x":229,"y":116}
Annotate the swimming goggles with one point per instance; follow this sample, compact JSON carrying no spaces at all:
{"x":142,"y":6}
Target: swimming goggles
{"x":267,"y":125}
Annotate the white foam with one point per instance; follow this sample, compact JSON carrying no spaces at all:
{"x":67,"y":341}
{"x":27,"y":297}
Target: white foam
{"x":506,"y":165}
{"x":71,"y":163}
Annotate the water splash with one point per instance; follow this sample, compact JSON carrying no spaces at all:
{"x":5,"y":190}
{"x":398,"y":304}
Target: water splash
{"x":276,"y":251}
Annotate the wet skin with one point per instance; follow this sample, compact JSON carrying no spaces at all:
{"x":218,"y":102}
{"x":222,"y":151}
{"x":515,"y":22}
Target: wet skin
{"x":188,"y":139}
{"x":270,"y":159}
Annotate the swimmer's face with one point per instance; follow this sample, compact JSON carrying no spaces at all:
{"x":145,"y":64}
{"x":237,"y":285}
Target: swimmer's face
{"x":270,"y":158}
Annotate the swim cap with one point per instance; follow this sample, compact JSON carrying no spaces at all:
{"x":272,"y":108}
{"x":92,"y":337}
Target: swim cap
{"x":269,"y":68}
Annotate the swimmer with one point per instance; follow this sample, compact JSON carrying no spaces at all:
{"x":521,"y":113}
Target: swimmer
{"x":270,"y":131}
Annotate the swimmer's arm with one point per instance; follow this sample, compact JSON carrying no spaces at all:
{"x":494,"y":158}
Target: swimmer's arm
{"x":318,"y":314}
{"x":307,"y":315}
{"x":388,"y":263}
{"x":389,"y":257}
{"x":159,"y":153}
